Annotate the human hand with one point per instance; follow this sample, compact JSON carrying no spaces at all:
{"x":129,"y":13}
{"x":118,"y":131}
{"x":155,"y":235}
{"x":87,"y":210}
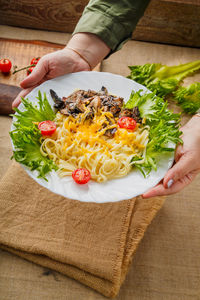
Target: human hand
{"x":50,"y":66}
{"x":91,"y":51}
{"x":187,"y":162}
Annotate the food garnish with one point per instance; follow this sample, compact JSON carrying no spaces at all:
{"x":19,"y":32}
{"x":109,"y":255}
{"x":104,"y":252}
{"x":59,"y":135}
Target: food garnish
{"x":26,"y":135}
{"x":47,"y":127}
{"x":127,"y":122}
{"x":163,"y":125}
{"x":81,"y":175}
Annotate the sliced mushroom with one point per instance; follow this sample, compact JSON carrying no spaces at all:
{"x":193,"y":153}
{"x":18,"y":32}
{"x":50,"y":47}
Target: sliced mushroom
{"x":96,"y":103}
{"x":59,"y":103}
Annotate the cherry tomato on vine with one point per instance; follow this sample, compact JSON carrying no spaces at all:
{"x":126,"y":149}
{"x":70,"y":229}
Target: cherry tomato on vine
{"x":81,"y":175}
{"x":5,"y":65}
{"x":35,"y":60}
{"x":47,"y":127}
{"x":29,"y":70}
{"x":127,"y":123}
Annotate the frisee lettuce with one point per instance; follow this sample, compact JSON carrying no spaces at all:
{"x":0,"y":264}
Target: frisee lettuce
{"x":188,"y":97}
{"x":26,"y":136}
{"x":162,"y":79}
{"x":164,"y":127}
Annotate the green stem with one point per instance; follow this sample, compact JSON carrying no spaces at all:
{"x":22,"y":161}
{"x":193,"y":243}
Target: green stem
{"x":25,"y":68}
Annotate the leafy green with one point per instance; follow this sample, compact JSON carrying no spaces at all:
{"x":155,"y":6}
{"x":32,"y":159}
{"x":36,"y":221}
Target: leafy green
{"x":164,"y":127}
{"x":162,"y":79}
{"x":188,"y":97}
{"x":26,"y":136}
{"x":35,"y":113}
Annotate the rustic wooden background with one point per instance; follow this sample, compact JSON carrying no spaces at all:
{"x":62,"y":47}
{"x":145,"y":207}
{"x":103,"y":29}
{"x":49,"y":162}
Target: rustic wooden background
{"x":174,"y":22}
{"x":166,"y":21}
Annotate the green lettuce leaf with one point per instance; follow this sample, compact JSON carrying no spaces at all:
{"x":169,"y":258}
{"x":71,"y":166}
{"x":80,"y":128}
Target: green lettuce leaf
{"x":164,"y":127}
{"x":188,"y":98}
{"x":26,"y":136}
{"x":162,"y":79}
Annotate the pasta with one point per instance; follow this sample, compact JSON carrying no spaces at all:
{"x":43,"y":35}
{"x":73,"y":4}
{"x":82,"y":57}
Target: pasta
{"x":80,"y":142}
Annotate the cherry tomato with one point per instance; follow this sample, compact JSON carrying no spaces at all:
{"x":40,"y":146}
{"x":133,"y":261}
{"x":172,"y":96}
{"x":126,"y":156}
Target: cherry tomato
{"x":29,"y":70}
{"x":81,"y":175}
{"x":47,"y":127}
{"x":34,"y":61}
{"x":5,"y":65}
{"x":127,"y":122}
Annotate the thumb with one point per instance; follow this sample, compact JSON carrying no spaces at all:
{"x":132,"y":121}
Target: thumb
{"x":36,"y":76}
{"x":184,"y":166}
{"x":23,"y":93}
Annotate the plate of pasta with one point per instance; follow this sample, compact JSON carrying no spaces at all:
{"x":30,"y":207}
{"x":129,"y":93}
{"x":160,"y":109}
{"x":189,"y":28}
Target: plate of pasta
{"x":94,"y":137}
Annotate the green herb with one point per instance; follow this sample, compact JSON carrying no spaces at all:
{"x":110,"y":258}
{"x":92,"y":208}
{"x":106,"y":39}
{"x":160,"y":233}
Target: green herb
{"x":162,"y":79}
{"x":188,"y":98}
{"x":164,"y":127}
{"x":26,"y":136}
{"x":35,"y":113}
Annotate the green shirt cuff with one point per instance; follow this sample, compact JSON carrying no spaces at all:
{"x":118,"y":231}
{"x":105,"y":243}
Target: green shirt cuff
{"x":112,"y":33}
{"x":112,"y":21}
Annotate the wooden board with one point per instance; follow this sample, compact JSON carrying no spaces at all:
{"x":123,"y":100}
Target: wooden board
{"x":174,"y":22}
{"x":55,"y":15}
{"x":21,"y":52}
{"x":166,"y":21}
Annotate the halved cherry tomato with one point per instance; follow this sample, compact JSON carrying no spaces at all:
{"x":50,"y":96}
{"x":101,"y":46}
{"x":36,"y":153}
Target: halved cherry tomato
{"x":81,"y":175}
{"x":47,"y":127}
{"x":35,"y":60}
{"x":5,"y":65}
{"x":127,"y":122}
{"x":29,"y":70}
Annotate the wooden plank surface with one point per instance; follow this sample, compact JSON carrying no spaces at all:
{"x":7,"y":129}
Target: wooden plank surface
{"x":55,"y":15}
{"x":174,"y":22}
{"x":165,"y":21}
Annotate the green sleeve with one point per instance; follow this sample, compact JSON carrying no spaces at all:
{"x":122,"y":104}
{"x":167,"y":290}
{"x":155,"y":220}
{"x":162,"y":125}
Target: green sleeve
{"x":112,"y":20}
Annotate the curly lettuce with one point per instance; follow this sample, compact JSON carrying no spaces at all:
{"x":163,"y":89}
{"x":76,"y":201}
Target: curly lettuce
{"x":162,"y":79}
{"x":188,"y":98}
{"x":164,"y":128}
{"x":26,"y":136}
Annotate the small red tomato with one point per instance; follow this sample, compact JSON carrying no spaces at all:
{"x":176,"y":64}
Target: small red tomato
{"x":127,"y":122}
{"x":34,"y":61}
{"x":29,"y":70}
{"x":5,"y":65}
{"x":81,"y":175}
{"x":47,"y":127}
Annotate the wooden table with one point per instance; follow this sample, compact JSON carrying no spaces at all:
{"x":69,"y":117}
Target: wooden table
{"x":167,"y":263}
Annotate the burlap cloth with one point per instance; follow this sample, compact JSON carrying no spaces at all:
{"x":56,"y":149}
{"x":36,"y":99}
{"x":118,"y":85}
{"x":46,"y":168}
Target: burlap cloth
{"x":92,"y":243}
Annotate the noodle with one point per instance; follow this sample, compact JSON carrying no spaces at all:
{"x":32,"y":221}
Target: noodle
{"x":81,"y":143}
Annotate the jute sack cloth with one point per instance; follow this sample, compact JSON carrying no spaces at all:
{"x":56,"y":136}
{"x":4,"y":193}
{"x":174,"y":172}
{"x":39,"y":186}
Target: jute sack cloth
{"x":92,"y":243}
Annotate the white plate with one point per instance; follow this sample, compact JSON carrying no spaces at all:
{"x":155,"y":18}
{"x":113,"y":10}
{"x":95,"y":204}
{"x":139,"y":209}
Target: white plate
{"x":123,"y":188}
